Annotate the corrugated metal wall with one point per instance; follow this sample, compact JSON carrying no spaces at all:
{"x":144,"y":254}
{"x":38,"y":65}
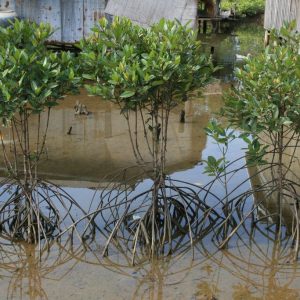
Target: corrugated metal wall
{"x":147,"y":12}
{"x":278,"y":11}
{"x":72,"y":19}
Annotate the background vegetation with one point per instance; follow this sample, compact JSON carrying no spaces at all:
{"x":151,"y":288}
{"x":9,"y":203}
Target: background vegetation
{"x":244,"y":7}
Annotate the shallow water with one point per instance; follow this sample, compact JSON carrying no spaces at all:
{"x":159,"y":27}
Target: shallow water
{"x":251,"y":268}
{"x":99,"y":143}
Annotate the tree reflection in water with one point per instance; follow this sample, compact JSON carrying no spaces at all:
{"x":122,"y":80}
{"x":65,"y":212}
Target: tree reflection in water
{"x":254,"y":266}
{"x":26,"y":266}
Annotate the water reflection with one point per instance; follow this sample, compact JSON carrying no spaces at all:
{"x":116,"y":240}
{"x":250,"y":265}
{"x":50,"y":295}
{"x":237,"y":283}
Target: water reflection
{"x":242,"y":39}
{"x":258,"y":271}
{"x":25,"y":267}
{"x":255,"y":270}
{"x":99,"y":143}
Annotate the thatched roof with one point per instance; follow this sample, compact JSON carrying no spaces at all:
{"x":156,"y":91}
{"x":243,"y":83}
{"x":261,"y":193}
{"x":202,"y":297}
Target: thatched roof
{"x":278,"y":11}
{"x":147,"y":12}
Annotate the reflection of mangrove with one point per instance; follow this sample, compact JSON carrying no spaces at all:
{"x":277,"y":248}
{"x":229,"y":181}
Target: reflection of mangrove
{"x":252,"y":251}
{"x":157,"y":275}
{"x":151,"y":277}
{"x":260,"y":262}
{"x":257,"y":268}
{"x":27,"y":266}
{"x":257,"y":262}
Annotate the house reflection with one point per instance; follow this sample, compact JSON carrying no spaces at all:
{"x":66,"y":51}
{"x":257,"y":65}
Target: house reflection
{"x":99,"y":142}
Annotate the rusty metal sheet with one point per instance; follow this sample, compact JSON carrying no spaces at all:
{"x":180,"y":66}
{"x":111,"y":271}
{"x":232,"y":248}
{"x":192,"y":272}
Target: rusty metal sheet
{"x":147,"y":12}
{"x":4,"y":4}
{"x":93,"y":11}
{"x":43,"y":11}
{"x":39,"y":11}
{"x":50,"y":12}
{"x":72,"y":20}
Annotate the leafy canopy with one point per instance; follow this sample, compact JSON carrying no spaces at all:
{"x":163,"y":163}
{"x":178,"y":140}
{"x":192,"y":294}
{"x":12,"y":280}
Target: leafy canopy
{"x":268,"y":94}
{"x":133,"y":65}
{"x":245,"y":7}
{"x":31,"y":77}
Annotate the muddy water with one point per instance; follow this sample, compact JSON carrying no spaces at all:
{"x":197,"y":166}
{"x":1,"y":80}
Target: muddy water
{"x":242,"y":272}
{"x":98,"y":144}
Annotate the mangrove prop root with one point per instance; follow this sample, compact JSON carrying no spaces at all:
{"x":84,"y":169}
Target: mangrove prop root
{"x":156,"y":221}
{"x":37,"y":212}
{"x":163,"y":217}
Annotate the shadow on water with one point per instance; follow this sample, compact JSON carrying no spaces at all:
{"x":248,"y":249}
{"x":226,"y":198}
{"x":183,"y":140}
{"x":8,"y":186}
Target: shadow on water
{"x":253,"y":266}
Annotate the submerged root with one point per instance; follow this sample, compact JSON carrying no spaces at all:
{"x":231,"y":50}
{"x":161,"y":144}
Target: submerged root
{"x":155,"y":221}
{"x":253,"y":210}
{"x":35,"y":213}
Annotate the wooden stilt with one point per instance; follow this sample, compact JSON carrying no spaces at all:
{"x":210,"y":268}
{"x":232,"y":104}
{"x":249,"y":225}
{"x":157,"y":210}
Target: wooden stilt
{"x":267,"y":38}
{"x":199,"y":25}
{"x":204,"y":27}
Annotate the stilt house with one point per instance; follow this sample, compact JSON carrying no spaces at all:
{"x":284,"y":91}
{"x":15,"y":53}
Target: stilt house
{"x":73,"y":19}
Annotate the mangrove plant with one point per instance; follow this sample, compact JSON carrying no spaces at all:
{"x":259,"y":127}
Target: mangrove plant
{"x":32,"y":81}
{"x":265,"y":106}
{"x":147,"y":72}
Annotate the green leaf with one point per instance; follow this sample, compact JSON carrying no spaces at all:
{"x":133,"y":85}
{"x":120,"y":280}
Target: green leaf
{"x":157,"y":83}
{"x":71,"y":74}
{"x":127,"y":94}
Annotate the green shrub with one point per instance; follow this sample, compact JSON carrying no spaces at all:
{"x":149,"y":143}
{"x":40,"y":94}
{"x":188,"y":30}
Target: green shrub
{"x":245,"y":7}
{"x":145,"y":69}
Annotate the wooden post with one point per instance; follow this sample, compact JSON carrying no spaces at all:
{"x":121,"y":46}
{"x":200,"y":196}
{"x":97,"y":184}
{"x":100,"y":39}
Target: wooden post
{"x":204,"y":26}
{"x":219,"y":26}
{"x":217,"y":7}
{"x":199,"y":25}
{"x":267,"y":38}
